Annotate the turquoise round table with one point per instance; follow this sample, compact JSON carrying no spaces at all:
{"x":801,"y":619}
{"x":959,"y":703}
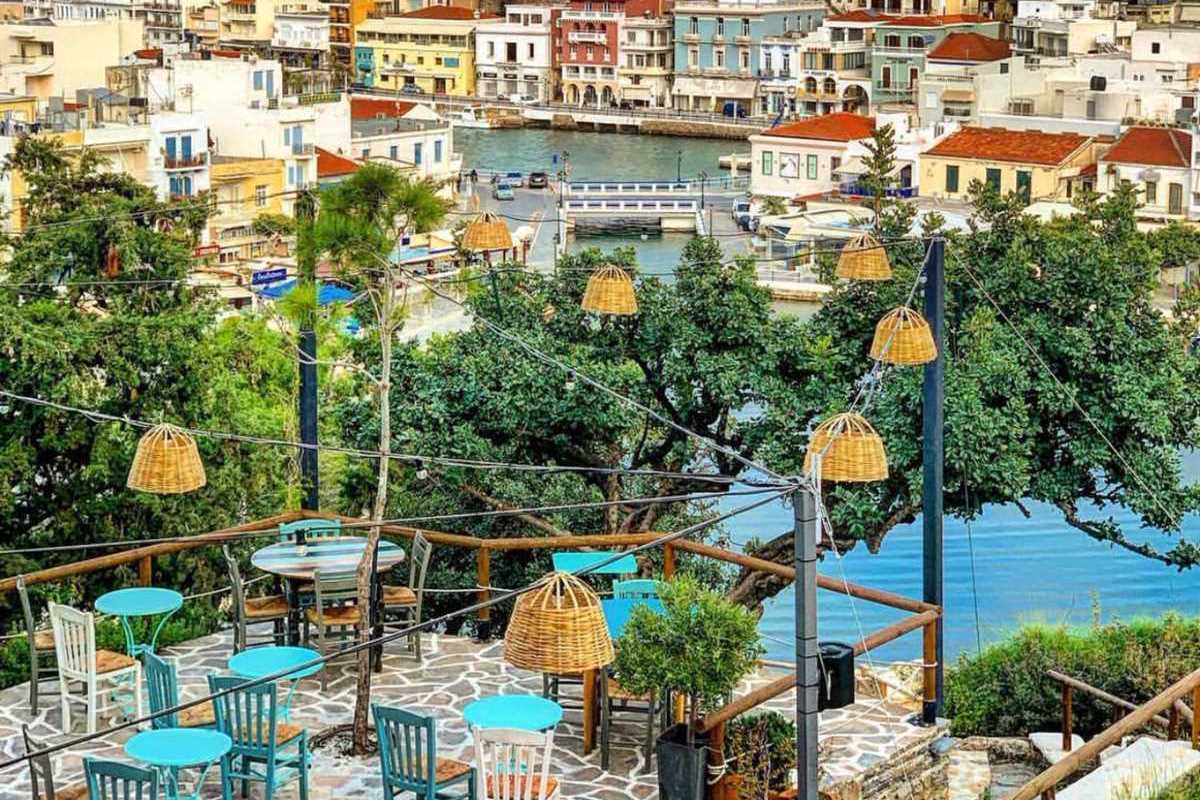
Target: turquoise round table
{"x":258,"y":662}
{"x":527,"y":712}
{"x":169,"y":750}
{"x":140,"y":601}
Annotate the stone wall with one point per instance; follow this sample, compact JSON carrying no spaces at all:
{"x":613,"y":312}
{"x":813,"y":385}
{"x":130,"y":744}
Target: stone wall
{"x":710,"y":130}
{"x":913,"y":773}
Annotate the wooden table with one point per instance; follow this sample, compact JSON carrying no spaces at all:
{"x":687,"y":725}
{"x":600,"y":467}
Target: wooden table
{"x":296,"y":564}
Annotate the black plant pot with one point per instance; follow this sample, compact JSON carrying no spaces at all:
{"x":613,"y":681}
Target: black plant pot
{"x":681,"y":765}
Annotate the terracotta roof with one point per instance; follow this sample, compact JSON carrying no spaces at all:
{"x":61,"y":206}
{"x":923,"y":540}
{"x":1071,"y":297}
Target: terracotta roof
{"x":970,"y":46}
{"x":861,"y":15}
{"x":840,"y":127}
{"x":149,"y":53}
{"x":1087,"y":171}
{"x":929,"y":21}
{"x":370,"y":108}
{"x":226,"y":53}
{"x":331,"y":165}
{"x":1160,"y":147}
{"x":447,"y":13}
{"x":1001,"y":144}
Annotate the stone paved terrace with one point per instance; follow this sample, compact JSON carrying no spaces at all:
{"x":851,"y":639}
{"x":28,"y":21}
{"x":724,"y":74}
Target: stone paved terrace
{"x":869,"y":744}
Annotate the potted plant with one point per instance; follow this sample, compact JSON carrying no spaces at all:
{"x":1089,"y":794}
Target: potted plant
{"x":699,"y":646}
{"x":760,"y":750}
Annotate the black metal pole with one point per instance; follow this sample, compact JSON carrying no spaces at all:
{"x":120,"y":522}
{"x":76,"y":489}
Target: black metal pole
{"x":933,"y":416}
{"x":679,"y":166}
{"x":306,"y":263}
{"x":804,"y":547}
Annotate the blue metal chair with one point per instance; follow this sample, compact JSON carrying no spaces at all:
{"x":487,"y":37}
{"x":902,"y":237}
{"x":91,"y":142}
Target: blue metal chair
{"x":408,"y":756}
{"x":162,"y":690}
{"x":312,"y":528}
{"x":640,"y":588}
{"x":112,"y":780}
{"x":264,"y":750}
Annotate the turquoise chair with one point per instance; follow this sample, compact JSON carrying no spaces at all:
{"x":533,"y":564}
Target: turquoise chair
{"x":313,"y":529}
{"x":162,"y":691}
{"x":408,"y":756}
{"x":112,"y":780}
{"x":264,"y":750}
{"x":641,"y":588}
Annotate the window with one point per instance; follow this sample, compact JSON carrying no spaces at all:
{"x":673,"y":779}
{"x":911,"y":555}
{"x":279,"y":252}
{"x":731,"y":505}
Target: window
{"x":767,"y":159}
{"x":437,"y":151}
{"x":891,"y":40}
{"x":745,"y":26}
{"x":694,"y":25}
{"x":1025,"y":184}
{"x":720,"y":26}
{"x":951,"y":178}
{"x":258,"y":81}
{"x":491,"y":50}
{"x":834,"y":163}
{"x":1151,"y":192}
{"x":885,"y":77}
{"x":812,"y":167}
{"x":1155,"y":47}
{"x":745,"y":59}
{"x":366,"y":153}
{"x":993,"y":179}
{"x":719,"y":57}
{"x":1175,"y":198}
{"x":767,"y":61}
{"x":417,"y":153}
{"x":693,"y":56}
{"x":394,"y":152}
{"x":590,"y":53}
{"x":1003,"y":67}
{"x":529,"y":50}
{"x":260,"y":195}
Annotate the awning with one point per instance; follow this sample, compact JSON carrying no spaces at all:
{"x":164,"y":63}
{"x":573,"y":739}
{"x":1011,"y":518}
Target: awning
{"x":958,"y":96}
{"x":720,"y":88}
{"x":853,"y":166}
{"x":328,"y":293}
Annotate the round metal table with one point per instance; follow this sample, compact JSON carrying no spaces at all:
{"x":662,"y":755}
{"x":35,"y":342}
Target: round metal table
{"x":169,"y":750}
{"x":140,"y":601}
{"x":528,"y":712}
{"x":259,"y":661}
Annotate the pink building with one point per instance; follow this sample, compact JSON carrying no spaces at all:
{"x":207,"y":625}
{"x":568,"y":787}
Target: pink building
{"x":587,"y":45}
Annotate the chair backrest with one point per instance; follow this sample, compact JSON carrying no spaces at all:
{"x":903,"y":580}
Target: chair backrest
{"x":113,"y":780}
{"x":162,"y":689}
{"x":407,"y":749}
{"x":74,"y":641}
{"x":421,"y":552}
{"x":639,"y":588}
{"x":334,"y":588}
{"x":41,"y":771}
{"x":513,"y":764}
{"x":26,"y":611}
{"x":313,"y":529}
{"x":246,"y":715}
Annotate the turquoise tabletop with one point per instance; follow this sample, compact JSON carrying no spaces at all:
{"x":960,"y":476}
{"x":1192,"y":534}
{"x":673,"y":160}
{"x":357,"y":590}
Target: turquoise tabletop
{"x":527,"y":712}
{"x":328,"y":554}
{"x":617,"y":611}
{"x":140,"y":601}
{"x":178,"y":747}
{"x":259,"y":661}
{"x":572,"y":562}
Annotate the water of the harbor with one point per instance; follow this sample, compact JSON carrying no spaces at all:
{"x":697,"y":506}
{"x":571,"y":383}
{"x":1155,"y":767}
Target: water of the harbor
{"x":1001,"y":571}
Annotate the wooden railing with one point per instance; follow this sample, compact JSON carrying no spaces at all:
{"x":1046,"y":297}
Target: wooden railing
{"x":1070,"y":685}
{"x":1043,"y":785}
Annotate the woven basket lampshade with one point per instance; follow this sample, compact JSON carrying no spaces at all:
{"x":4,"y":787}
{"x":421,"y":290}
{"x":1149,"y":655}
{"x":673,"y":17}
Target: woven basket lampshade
{"x":849,"y":448}
{"x":610,"y":291}
{"x":166,"y":462}
{"x":485,"y":233}
{"x":904,"y":338}
{"x":864,"y":259}
{"x":558,"y":628}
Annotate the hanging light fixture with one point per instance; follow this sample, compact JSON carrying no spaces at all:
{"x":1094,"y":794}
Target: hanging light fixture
{"x":903,"y":337}
{"x":486,"y":233}
{"x":864,"y":259}
{"x":849,"y":449}
{"x":610,"y":291}
{"x":167,"y":462}
{"x":558,"y":628}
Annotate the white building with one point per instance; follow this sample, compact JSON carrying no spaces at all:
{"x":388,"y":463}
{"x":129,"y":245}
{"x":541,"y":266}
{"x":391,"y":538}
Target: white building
{"x":1161,"y":163}
{"x":301,"y":27}
{"x":179,"y":159}
{"x":647,"y":53}
{"x":512,"y":54}
{"x":803,"y":158}
{"x":408,"y":136}
{"x":833,"y":66}
{"x":1050,"y":28}
{"x":219,"y":85}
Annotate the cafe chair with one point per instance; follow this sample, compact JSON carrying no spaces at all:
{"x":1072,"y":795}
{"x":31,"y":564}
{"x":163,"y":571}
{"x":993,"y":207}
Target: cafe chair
{"x":408,"y":756}
{"x":334,"y":613}
{"x":616,"y":699}
{"x":113,"y":780}
{"x":79,"y":662}
{"x":253,"y":610}
{"x":41,"y":774}
{"x":41,"y":650}
{"x":312,"y":528}
{"x":162,"y":692}
{"x":402,"y":605}
{"x":264,"y":749}
{"x":637,"y":589}
{"x":514,"y":764}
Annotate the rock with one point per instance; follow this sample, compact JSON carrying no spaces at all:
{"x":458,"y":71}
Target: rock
{"x":1139,"y":772}
{"x":1050,"y":745}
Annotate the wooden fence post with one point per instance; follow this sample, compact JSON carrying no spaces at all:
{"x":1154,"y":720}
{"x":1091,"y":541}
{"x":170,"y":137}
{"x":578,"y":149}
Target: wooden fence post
{"x":1068,"y":723}
{"x":929,"y":673}
{"x":1173,"y":722}
{"x":483,"y":577}
{"x":668,"y":561}
{"x":146,"y":570}
{"x":1196,"y":718}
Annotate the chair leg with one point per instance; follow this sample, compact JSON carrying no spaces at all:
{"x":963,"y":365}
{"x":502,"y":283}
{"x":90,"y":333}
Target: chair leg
{"x":34,"y":680}
{"x":65,"y":704}
{"x":304,"y":773}
{"x":226,"y":781}
{"x":605,"y":719}
{"x":93,"y":699}
{"x":649,"y":731}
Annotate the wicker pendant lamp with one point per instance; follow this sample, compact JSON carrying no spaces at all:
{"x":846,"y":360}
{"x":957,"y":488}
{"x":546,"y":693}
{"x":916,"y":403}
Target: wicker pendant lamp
{"x":485,"y":233}
{"x":558,"y":628}
{"x":903,"y":337}
{"x":610,"y":291}
{"x":849,"y":450}
{"x":864,"y":259}
{"x":166,"y":462}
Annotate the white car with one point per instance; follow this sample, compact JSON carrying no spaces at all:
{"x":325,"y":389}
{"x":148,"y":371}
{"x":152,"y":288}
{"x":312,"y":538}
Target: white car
{"x":522,"y":99}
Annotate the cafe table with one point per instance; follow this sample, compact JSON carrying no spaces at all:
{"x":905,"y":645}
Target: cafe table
{"x":140,"y":601}
{"x":573,"y":561}
{"x":527,"y":712}
{"x":169,"y":750}
{"x":258,"y":662}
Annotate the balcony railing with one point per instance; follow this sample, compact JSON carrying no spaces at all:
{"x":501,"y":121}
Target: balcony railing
{"x":585,"y":15}
{"x":303,"y":149}
{"x":591,"y":37}
{"x":193,"y":161}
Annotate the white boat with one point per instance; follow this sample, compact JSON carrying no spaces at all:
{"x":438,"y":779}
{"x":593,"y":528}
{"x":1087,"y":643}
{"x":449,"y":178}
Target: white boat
{"x":472,"y":117}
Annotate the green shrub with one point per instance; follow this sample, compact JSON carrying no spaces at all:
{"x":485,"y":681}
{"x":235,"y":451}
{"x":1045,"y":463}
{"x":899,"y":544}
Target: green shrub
{"x":762,"y":749}
{"x":1004,"y":691}
{"x":1187,"y":788}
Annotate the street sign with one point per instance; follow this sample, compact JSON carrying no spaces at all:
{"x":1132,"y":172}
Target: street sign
{"x":206,"y":250}
{"x":265,"y":276}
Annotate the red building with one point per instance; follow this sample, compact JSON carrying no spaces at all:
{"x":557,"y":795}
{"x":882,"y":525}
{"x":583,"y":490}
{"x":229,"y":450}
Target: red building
{"x":587,"y":44}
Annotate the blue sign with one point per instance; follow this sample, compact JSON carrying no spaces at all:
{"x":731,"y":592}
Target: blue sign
{"x":265,"y":276}
{"x":554,"y":158}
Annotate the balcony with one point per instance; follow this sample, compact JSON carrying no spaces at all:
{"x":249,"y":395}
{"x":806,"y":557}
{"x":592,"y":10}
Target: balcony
{"x":303,"y":149}
{"x":590,"y":15}
{"x":742,"y":39}
{"x":718,"y":38}
{"x":691,"y":38}
{"x":239,"y":15}
{"x":194,"y":161}
{"x":587,"y":37}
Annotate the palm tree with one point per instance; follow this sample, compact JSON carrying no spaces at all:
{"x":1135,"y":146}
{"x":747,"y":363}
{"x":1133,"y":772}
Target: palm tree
{"x":361,"y":223}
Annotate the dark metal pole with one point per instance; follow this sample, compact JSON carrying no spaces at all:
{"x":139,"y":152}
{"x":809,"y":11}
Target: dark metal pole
{"x":306,"y":263}
{"x":933,"y":416}
{"x":679,"y":166}
{"x":804,"y":534}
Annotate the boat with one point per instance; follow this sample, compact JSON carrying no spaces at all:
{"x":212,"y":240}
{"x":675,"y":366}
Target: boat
{"x":472,"y":117}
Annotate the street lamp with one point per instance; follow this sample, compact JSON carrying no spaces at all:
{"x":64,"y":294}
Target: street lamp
{"x":703,"y":179}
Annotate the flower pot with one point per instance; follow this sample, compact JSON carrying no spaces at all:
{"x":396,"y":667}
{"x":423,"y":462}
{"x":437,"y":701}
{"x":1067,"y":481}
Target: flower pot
{"x":681,"y":765}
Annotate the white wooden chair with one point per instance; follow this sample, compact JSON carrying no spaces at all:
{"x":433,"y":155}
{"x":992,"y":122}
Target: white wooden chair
{"x":100,"y":671}
{"x":514,"y":765}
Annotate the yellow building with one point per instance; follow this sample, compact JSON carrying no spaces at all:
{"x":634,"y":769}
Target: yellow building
{"x":243,"y":188}
{"x":1040,"y":166}
{"x":19,"y":108}
{"x":432,"y":48}
{"x":245,"y":24}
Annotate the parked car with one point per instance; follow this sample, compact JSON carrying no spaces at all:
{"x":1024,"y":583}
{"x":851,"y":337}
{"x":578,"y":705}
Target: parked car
{"x":411,"y":88}
{"x":503,"y":191}
{"x":538,"y":180}
{"x":514,"y":179}
{"x":522,"y":99}
{"x":739,"y":209}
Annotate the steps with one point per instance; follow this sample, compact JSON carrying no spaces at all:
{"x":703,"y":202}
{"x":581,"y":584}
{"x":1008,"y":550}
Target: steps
{"x":1136,"y":773}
